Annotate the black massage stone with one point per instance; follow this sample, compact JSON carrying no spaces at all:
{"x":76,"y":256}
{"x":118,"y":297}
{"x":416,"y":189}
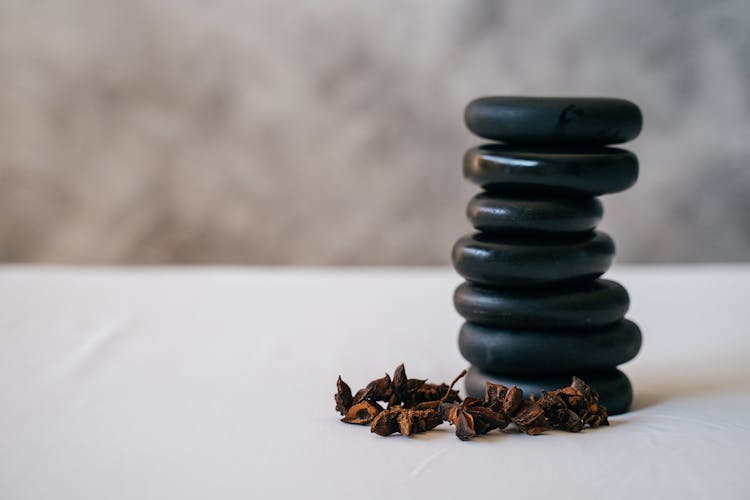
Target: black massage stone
{"x":554,"y":120}
{"x":516,"y":214}
{"x":586,"y":305}
{"x":540,"y":351}
{"x":537,"y":312}
{"x":589,"y":171}
{"x":615,"y":391}
{"x":509,"y":260}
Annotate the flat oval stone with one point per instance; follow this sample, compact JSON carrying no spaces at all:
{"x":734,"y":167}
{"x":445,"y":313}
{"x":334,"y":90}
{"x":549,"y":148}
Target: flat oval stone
{"x":589,"y":171}
{"x":613,"y":386}
{"x":508,"y":260}
{"x":587,"y":305}
{"x":517,"y":214}
{"x":543,"y":351}
{"x":554,"y":120}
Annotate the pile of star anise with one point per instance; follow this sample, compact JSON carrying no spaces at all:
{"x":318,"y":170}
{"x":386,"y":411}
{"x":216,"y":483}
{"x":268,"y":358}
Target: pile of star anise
{"x":413,"y":406}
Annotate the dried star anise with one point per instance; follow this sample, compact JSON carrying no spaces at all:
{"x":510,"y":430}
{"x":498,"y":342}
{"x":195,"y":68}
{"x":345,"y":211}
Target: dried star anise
{"x":360,"y":409}
{"x":405,"y":421}
{"x":386,"y":423}
{"x":343,"y":397}
{"x":362,"y":413}
{"x":403,"y":388}
{"x":527,"y":415}
{"x":462,"y":419}
{"x":529,"y":418}
{"x":558,"y":414}
{"x":400,"y":393}
{"x":411,"y":392}
{"x":485,"y":419}
{"x":512,"y":399}
{"x":472,"y":416}
{"x":584,"y":402}
{"x":414,"y":406}
{"x":377,"y":390}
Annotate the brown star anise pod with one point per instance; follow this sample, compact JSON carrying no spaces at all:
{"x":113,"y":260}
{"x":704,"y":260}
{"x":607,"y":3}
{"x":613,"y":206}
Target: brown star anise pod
{"x":405,"y":421}
{"x":411,"y":392}
{"x":459,"y":417}
{"x":362,"y":413}
{"x":399,"y":392}
{"x":584,"y":402}
{"x":343,"y":397}
{"x":377,"y":390}
{"x":403,"y":389}
{"x":362,"y":407}
{"x":473,"y":416}
{"x":558,"y":414}
{"x":415,"y":406}
{"x":527,"y":415}
{"x":499,"y":407}
{"x":469,"y":417}
{"x":482,"y":418}
{"x":529,"y":418}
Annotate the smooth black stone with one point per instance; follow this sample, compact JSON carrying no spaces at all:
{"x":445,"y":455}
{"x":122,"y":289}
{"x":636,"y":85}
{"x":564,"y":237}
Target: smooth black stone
{"x":613,"y":386}
{"x":538,"y":352}
{"x":584,"y":171}
{"x":587,"y":305}
{"x":507,"y":260}
{"x":493,"y":213}
{"x":554,"y":120}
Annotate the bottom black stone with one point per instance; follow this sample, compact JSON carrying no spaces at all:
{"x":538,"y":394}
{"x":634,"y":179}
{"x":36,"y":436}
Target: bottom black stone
{"x":613,"y":386}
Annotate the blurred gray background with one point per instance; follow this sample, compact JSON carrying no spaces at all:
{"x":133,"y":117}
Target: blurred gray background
{"x":272,"y":132}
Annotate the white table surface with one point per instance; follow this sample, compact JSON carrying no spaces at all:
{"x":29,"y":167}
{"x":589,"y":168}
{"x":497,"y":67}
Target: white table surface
{"x":217,"y":383}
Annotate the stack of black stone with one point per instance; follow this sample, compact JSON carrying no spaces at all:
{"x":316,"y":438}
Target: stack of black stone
{"x":536,"y":310}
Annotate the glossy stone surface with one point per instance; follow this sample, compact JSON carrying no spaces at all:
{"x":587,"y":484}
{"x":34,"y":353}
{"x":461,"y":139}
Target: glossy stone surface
{"x":538,"y":352}
{"x":586,"y":305}
{"x":506,"y":260}
{"x":517,"y":214}
{"x":589,"y":171}
{"x":613,"y":386}
{"x":554,"y":120}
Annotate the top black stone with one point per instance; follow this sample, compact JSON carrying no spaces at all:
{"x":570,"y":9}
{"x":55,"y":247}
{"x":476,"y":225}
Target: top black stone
{"x":554,"y":120}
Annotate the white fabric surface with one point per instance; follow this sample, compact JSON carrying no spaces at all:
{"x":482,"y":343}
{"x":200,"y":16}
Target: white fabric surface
{"x":218,"y":383}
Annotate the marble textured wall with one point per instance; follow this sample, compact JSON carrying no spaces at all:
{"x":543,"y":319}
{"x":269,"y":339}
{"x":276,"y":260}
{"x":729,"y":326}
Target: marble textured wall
{"x":183,"y":131}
